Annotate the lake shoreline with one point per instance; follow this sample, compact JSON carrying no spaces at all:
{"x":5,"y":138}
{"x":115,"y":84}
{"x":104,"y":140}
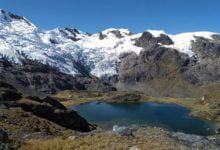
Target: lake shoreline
{"x":28,"y":131}
{"x":144,"y":113}
{"x":198,"y":107}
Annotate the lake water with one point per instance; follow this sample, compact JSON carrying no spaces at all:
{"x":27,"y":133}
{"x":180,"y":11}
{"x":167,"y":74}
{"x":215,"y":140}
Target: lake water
{"x":168,"y":116}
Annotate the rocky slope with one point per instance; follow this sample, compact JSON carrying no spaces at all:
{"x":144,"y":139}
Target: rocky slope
{"x":45,"y":107}
{"x":35,"y":78}
{"x":143,"y":139}
{"x":154,"y":62}
{"x":163,"y":71}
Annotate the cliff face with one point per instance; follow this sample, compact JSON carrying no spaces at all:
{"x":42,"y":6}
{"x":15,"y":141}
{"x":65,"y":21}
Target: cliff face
{"x":35,"y":78}
{"x":163,"y":71}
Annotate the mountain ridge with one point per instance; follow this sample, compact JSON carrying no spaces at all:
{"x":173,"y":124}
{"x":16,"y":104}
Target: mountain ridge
{"x":148,"y":61}
{"x":62,"y":47}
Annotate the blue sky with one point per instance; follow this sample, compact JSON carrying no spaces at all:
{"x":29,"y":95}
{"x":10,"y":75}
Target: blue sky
{"x":173,"y":16}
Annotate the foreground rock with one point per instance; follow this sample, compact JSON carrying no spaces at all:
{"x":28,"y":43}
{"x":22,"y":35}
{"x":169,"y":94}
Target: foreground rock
{"x":50,"y":109}
{"x":3,"y":136}
{"x":199,"y":142}
{"x":4,"y":140}
{"x":66,"y":118}
{"x":124,"y":131}
{"x":8,"y":92}
{"x":4,"y":146}
{"x":46,"y":107}
{"x":145,"y":138}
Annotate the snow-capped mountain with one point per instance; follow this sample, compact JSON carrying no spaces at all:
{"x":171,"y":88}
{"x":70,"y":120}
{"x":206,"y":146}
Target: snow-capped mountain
{"x":66,"y":48}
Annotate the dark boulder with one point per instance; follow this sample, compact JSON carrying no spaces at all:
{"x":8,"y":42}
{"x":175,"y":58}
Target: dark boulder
{"x":8,"y":92}
{"x":123,"y":131}
{"x":51,"y":109}
{"x":66,"y":118}
{"x":9,"y":96}
{"x":4,"y":140}
{"x":3,"y":136}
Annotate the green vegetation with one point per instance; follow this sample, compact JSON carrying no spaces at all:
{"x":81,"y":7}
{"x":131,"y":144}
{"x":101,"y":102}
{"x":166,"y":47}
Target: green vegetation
{"x":207,"y":108}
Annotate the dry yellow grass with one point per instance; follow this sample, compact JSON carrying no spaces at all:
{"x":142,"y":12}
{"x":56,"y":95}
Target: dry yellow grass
{"x":107,"y":141}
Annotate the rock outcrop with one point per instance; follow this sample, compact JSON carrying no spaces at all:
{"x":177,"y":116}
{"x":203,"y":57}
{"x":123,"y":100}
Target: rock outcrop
{"x":8,"y":92}
{"x":153,"y":62}
{"x":35,"y":78}
{"x":45,"y":107}
{"x":66,"y":118}
{"x":147,"y":40}
{"x":3,"y":136}
{"x":163,"y":71}
{"x":4,"y":140}
{"x":123,"y":131}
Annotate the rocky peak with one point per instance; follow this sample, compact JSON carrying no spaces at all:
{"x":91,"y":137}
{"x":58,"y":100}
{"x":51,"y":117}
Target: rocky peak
{"x":102,"y":36}
{"x":8,"y":16}
{"x":148,"y":40}
{"x":13,"y":22}
{"x":71,"y":50}
{"x":164,"y":40}
{"x":73,"y":34}
{"x":117,"y":33}
{"x":73,"y":31}
{"x":3,"y":15}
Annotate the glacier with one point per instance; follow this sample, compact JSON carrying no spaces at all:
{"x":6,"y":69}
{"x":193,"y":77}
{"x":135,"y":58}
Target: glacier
{"x":63,"y":48}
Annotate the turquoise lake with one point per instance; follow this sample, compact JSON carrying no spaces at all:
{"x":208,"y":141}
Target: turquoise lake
{"x":169,"y":116}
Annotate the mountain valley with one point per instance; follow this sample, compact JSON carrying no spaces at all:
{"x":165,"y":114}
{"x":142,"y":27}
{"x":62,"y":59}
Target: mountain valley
{"x":44,"y":72}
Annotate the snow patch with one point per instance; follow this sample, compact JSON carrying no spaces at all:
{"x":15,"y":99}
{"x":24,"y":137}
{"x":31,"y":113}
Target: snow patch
{"x":156,"y":33}
{"x":182,"y":42}
{"x":19,"y":40}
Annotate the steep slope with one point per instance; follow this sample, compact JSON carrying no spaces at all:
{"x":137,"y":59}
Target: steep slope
{"x":20,"y":40}
{"x":47,"y":108}
{"x":163,"y":71}
{"x":152,"y":60}
{"x":66,"y":49}
{"x":35,"y":78}
{"x":70,"y":49}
